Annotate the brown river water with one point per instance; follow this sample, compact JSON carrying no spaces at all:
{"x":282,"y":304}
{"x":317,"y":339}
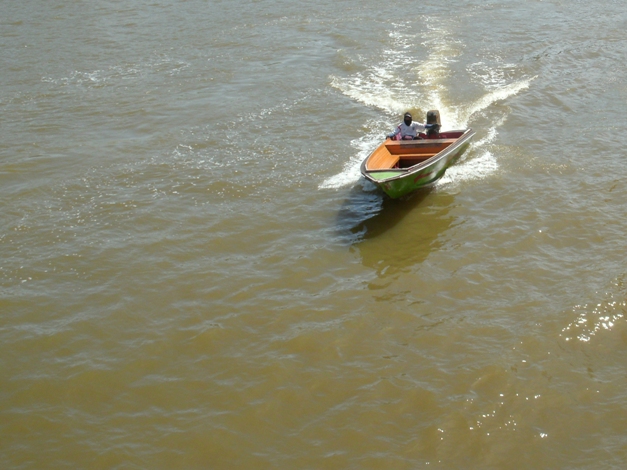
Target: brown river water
{"x":194,"y":275}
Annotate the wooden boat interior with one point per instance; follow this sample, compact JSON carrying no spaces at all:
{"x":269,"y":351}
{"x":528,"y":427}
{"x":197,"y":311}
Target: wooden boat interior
{"x":399,"y":154}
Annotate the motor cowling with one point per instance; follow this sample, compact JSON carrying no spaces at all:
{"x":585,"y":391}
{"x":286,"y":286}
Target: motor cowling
{"x":433,"y":124}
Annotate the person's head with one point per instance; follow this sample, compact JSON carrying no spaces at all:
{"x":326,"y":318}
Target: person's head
{"x":407,"y":119}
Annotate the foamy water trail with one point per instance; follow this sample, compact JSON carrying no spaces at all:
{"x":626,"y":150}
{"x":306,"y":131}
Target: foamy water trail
{"x":487,"y":100}
{"x":350,"y":173}
{"x":484,"y":162}
{"x":382,"y":87}
{"x":478,"y":167}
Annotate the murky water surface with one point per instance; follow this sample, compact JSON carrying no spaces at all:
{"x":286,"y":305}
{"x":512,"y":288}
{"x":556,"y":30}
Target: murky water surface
{"x":194,"y":275}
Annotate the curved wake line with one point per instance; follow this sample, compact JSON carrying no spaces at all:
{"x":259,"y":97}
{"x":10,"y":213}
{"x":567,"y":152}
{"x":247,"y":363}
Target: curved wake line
{"x":475,"y":169}
{"x":370,"y":94}
{"x":350,"y":173}
{"x":496,"y":95}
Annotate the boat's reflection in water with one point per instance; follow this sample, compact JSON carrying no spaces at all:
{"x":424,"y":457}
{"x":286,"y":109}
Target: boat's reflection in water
{"x":392,"y":236}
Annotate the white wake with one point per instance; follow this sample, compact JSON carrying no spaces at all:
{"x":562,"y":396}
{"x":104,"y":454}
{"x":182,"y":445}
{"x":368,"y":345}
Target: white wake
{"x":382,"y":87}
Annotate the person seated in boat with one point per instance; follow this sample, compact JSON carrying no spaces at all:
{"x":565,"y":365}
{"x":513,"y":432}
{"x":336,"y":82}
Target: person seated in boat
{"x":407,"y":130}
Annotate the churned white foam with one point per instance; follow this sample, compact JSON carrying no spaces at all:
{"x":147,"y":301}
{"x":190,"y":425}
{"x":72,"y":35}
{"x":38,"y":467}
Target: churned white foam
{"x":476,"y":168}
{"x":490,"y":75}
{"x":500,"y":94}
{"x":350,"y":174}
{"x":385,"y":85}
{"x":370,"y":91}
{"x":490,"y":136}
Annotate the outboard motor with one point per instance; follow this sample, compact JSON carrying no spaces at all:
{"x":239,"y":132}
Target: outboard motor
{"x":433,"y":124}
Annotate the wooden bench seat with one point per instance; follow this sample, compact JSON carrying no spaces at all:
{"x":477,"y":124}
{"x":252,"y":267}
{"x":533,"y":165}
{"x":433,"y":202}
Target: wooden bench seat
{"x":414,"y":156}
{"x":383,"y":161}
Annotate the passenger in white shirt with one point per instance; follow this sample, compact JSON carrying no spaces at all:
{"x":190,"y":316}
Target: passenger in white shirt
{"x":407,"y":130}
